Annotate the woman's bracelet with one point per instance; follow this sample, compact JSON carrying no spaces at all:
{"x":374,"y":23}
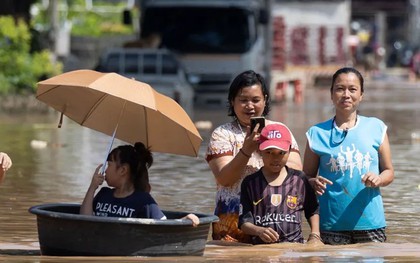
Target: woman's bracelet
{"x":245,"y":154}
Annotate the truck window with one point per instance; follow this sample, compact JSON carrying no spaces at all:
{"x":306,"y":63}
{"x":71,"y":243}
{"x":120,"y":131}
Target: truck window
{"x":131,"y":63}
{"x":169,"y":65}
{"x":200,"y":30}
{"x":150,"y":64}
{"x":112,"y":64}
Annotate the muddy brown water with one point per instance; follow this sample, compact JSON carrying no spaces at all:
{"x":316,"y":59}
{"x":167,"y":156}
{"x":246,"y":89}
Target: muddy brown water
{"x":60,"y":171}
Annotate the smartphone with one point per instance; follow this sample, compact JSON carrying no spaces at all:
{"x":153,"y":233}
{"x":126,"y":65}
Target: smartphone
{"x":259,"y":120}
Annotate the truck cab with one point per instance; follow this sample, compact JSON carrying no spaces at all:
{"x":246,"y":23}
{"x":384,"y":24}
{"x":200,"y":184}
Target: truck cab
{"x":157,"y":67}
{"x":214,"y":39}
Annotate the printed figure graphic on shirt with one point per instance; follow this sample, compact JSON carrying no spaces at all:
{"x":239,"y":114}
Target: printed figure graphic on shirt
{"x":349,"y":160}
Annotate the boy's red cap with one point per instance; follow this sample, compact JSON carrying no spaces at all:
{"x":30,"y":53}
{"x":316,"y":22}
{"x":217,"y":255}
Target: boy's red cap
{"x":275,"y":136}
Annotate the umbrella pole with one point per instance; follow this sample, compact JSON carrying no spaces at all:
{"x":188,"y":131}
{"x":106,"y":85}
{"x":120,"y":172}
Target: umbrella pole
{"x":109,"y":150}
{"x":112,"y":141}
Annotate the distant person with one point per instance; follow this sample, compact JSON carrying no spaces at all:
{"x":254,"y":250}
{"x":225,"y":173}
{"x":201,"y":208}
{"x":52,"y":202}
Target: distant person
{"x":6,"y":163}
{"x":415,"y":66}
{"x":127,"y":174}
{"x":232,"y":151}
{"x":369,"y":64}
{"x":273,"y":198}
{"x":348,"y":159}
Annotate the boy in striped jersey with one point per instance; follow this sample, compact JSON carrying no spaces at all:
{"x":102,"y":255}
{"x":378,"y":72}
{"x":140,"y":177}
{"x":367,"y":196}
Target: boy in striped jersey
{"x":273,"y":198}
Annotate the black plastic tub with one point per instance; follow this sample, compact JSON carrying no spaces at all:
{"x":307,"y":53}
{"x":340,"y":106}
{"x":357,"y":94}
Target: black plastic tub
{"x":63,"y":232}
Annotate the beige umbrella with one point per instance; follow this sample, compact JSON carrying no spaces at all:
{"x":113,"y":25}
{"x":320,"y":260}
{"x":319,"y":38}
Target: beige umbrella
{"x":130,"y":110}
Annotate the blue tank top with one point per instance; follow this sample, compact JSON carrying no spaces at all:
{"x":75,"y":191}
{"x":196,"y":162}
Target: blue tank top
{"x":345,"y":156}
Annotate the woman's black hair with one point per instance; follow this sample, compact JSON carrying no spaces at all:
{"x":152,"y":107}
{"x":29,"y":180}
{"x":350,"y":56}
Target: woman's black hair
{"x":246,"y":79}
{"x":347,"y":70}
{"x":139,"y":159}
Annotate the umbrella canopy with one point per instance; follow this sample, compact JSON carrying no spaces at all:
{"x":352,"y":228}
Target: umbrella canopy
{"x":104,"y":101}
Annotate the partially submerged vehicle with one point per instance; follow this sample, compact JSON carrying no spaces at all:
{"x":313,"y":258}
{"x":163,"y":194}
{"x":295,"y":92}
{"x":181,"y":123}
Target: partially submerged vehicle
{"x":63,"y":231}
{"x":157,"y":67}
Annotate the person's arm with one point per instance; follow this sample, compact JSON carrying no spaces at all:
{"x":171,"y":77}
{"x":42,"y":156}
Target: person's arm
{"x":294,"y":161}
{"x":6,"y":163}
{"x":386,"y":169}
{"x":310,"y":168}
{"x":314,"y":225}
{"x":87,"y":205}
{"x":227,"y":170}
{"x":311,"y":208}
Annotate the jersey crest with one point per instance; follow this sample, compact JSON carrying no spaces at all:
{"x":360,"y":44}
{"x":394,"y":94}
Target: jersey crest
{"x":276,"y":199}
{"x":291,"y":201}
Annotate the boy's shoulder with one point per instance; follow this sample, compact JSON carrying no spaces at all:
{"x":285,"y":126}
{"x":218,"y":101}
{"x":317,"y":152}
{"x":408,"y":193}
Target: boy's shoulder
{"x":299,"y":173}
{"x":254,"y":176}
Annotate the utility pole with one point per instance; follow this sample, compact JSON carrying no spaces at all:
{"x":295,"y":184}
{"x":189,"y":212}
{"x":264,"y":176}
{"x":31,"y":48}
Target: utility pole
{"x":54,"y":20}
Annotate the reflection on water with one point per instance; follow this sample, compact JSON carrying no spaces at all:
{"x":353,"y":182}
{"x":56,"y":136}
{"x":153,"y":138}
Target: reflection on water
{"x":61,"y":171}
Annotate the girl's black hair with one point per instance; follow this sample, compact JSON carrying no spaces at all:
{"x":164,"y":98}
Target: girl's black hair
{"x":139,"y":159}
{"x":347,"y":70}
{"x":246,"y":79}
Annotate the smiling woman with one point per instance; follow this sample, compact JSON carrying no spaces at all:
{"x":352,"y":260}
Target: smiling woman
{"x":348,"y":165}
{"x":232,"y":151}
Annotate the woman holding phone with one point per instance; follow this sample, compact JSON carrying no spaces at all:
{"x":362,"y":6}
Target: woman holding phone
{"x":232,"y":151}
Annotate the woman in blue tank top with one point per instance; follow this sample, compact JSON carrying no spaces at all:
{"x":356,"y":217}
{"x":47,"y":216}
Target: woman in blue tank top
{"x":348,"y":159}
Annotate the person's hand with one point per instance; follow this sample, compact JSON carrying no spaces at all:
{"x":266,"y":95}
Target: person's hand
{"x":319,"y":184}
{"x":314,"y":239}
{"x":268,"y":235}
{"x":370,"y":179}
{"x":251,"y":140}
{"x":5,"y":161}
{"x":97,"y":178}
{"x":195,"y":220}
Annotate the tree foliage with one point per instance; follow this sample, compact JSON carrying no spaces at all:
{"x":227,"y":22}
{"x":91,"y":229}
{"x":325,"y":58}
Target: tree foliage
{"x":103,"y":19}
{"x":20,"y":69}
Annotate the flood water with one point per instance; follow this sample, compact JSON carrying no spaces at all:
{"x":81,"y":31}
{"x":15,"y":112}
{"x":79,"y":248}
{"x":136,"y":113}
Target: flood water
{"x":61,"y":171}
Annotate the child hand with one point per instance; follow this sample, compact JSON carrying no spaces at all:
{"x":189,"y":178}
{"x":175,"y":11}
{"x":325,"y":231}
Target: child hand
{"x":5,"y":161}
{"x":268,"y":235}
{"x":195,"y":220}
{"x":97,"y":178}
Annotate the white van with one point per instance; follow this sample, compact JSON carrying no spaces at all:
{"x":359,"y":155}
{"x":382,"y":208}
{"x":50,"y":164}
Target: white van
{"x":157,"y":67}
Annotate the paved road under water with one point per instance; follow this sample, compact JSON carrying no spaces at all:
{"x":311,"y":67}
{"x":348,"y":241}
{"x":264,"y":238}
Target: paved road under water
{"x":60,"y":171}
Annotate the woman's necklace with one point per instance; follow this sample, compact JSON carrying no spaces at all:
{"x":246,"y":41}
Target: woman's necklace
{"x":240,"y":128}
{"x":343,"y":135}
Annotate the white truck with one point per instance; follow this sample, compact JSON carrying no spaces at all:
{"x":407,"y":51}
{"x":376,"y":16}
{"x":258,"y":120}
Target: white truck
{"x":289,"y":42}
{"x":214,"y":39}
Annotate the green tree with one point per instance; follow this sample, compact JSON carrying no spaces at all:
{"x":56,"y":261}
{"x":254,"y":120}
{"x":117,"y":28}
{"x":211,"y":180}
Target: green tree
{"x":20,"y":70}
